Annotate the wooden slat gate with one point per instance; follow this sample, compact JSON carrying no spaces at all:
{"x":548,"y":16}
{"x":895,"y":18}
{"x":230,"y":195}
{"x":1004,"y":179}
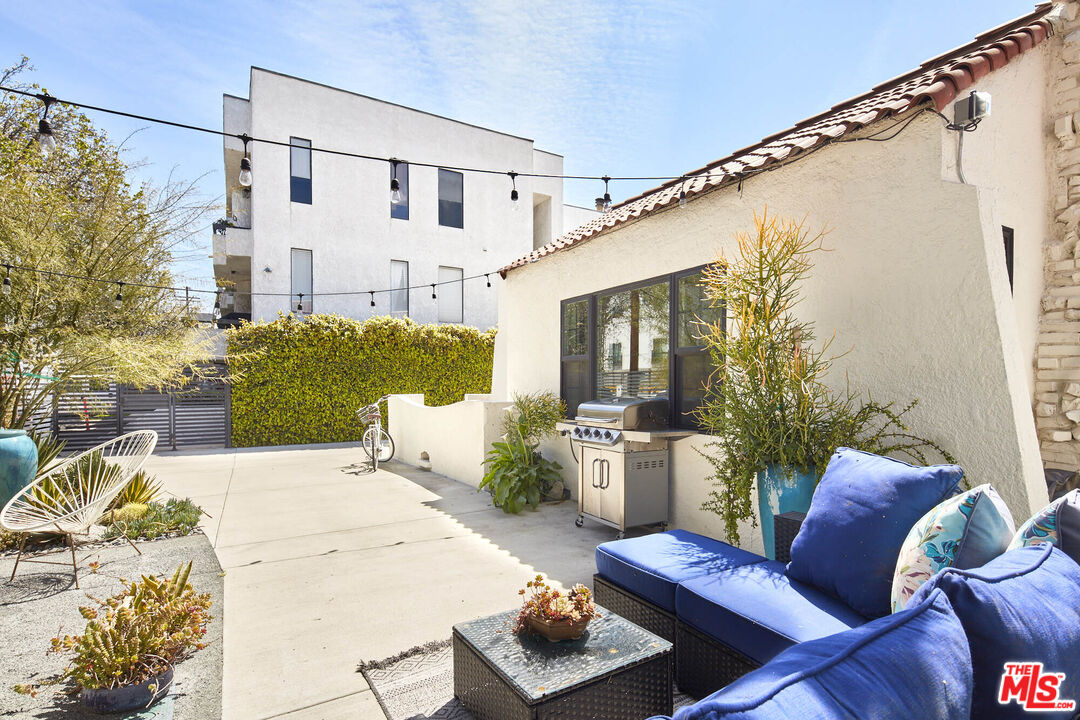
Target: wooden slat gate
{"x":197,"y":415}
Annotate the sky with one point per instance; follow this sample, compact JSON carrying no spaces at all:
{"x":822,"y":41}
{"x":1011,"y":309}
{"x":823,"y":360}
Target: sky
{"x":618,"y":87}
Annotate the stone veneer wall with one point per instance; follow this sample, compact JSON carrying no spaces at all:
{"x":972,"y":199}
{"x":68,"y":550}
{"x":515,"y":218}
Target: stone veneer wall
{"x":1057,"y":385}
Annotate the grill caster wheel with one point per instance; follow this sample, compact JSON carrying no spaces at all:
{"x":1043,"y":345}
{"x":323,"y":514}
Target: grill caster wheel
{"x":620,"y":535}
{"x":580,"y":521}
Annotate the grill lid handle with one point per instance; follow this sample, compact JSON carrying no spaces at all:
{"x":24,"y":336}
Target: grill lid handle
{"x":586,"y":418}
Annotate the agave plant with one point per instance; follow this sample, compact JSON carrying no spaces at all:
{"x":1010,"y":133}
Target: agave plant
{"x":143,"y":488}
{"x":49,"y":448}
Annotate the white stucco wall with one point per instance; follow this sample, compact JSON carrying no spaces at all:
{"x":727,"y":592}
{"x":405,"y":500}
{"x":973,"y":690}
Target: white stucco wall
{"x":348,"y":226}
{"x":1006,"y":156}
{"x":909,"y":286}
{"x":456,"y":437}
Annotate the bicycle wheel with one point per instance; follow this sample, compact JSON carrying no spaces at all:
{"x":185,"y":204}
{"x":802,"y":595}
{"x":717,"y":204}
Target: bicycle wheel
{"x":377,"y":444}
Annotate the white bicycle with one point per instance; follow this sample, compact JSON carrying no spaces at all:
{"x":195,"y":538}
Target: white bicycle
{"x":377,"y":443}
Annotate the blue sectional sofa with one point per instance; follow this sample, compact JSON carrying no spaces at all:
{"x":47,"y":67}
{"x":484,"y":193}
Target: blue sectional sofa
{"x":817,"y":634}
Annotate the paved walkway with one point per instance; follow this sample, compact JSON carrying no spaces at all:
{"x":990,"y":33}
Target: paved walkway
{"x":327,"y":565}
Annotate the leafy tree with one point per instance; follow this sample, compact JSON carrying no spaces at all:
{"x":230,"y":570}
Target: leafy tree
{"x":77,"y":211}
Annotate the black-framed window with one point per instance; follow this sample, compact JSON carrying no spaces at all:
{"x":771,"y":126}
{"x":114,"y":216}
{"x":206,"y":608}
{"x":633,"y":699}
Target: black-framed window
{"x":300,"y":170}
{"x":400,"y":210}
{"x":451,"y":199}
{"x":640,"y":340}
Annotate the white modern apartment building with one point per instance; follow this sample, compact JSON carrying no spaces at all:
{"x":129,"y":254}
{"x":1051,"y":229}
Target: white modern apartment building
{"x":317,"y":231}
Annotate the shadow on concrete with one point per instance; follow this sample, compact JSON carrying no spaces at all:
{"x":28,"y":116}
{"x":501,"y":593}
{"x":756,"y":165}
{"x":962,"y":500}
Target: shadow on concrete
{"x":545,"y":539}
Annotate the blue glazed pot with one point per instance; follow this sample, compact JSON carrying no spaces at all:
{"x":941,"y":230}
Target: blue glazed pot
{"x":781,"y":490}
{"x":18,"y":463}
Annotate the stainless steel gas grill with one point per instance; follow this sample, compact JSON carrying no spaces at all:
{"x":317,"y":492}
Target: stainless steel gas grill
{"x":623,"y":460}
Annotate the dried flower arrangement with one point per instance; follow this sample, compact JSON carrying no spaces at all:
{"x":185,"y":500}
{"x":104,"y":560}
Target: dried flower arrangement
{"x":552,"y":613}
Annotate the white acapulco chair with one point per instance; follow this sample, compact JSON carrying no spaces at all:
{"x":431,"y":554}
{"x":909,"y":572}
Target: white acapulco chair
{"x":74,"y":495}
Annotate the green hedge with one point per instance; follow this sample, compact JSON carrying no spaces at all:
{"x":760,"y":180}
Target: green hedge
{"x":302,"y":381}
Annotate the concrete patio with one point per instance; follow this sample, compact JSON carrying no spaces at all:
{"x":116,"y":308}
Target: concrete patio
{"x":328,"y":564}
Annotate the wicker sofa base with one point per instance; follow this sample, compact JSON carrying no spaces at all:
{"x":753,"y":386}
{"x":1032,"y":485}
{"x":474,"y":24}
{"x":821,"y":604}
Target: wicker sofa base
{"x":637,"y":610}
{"x":704,"y":665}
{"x":630,"y":693}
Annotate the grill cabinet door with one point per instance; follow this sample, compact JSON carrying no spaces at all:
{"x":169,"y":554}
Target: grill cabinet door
{"x":589,"y":492}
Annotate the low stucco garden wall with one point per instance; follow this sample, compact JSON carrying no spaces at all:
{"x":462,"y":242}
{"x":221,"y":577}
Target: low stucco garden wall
{"x":455,"y":437}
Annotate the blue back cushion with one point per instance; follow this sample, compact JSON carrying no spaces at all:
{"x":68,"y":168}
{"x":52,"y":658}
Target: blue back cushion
{"x":912,"y":664}
{"x":1021,"y":606}
{"x":862,"y":510}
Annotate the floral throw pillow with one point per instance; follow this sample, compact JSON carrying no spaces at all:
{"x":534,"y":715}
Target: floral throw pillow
{"x":965,"y":531}
{"x":1058,"y":524}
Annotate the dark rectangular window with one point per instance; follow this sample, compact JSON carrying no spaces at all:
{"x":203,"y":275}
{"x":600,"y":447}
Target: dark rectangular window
{"x":300,"y":170}
{"x":1007,"y":236}
{"x":400,"y":209}
{"x":575,"y":354}
{"x":451,"y":199}
{"x":644,"y":340}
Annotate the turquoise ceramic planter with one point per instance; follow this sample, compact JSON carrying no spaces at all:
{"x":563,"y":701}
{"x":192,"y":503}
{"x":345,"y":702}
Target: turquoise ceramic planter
{"x":781,"y":490}
{"x":18,"y":463}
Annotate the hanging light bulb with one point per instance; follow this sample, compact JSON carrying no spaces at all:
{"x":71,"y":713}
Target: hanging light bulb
{"x":217,"y":303}
{"x":7,"y":280}
{"x":513,"y":191}
{"x":118,"y":301}
{"x":607,"y":195}
{"x":245,"y":164}
{"x":372,"y":298}
{"x":395,"y":186}
{"x":682,"y":198}
{"x":46,"y":139}
{"x":300,"y":302}
{"x":433,"y":291}
{"x":488,"y":280}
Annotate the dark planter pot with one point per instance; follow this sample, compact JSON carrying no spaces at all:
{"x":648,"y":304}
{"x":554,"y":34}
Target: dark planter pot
{"x":780,"y":490}
{"x":129,"y":697}
{"x":18,"y":463}
{"x":557,"y":630}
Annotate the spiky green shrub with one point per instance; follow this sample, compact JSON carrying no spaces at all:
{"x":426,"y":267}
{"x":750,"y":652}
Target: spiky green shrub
{"x":176,"y":517}
{"x":515,"y":473}
{"x":143,"y":488}
{"x":302,"y":381}
{"x":134,"y":635}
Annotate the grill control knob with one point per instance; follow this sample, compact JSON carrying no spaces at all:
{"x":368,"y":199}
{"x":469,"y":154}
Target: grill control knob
{"x":607,"y":434}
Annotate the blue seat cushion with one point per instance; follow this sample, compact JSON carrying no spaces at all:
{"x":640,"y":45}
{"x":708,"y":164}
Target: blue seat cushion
{"x":759,"y":611}
{"x":862,"y":510}
{"x":1021,"y":606}
{"x":651,"y":566}
{"x":913,"y":664}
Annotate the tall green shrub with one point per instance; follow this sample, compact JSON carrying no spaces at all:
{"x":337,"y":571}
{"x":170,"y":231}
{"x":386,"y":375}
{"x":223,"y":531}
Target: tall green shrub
{"x":302,"y":381}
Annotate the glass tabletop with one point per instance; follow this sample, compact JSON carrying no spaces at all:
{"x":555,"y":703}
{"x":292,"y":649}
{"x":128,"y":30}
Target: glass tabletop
{"x":539,"y":667}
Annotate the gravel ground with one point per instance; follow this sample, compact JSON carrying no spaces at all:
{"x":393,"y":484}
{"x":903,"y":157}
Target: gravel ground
{"x":42,"y":599}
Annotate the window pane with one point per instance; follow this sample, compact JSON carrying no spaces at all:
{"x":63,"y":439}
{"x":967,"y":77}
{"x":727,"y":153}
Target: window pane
{"x":451,"y":212}
{"x":693,"y":371}
{"x":400,"y":210}
{"x":300,"y":170}
{"x":301,"y":280}
{"x":694,"y":311}
{"x":632,"y":342}
{"x":575,"y":328}
{"x":399,"y":280}
{"x":300,"y":158}
{"x":450,"y":295}
{"x":574,"y":376}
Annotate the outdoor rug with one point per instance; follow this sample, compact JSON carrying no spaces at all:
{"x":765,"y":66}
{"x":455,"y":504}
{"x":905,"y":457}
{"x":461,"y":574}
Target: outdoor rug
{"x":418,"y":684}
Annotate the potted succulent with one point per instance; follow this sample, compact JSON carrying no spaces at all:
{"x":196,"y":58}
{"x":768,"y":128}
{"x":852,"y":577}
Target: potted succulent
{"x":552,"y":613}
{"x":774,"y":421}
{"x":124,"y":659}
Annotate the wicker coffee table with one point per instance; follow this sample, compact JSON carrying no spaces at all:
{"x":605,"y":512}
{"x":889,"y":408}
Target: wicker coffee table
{"x":616,"y":670}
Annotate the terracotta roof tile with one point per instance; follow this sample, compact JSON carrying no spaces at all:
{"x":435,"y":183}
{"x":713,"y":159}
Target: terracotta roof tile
{"x":938,"y":80}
